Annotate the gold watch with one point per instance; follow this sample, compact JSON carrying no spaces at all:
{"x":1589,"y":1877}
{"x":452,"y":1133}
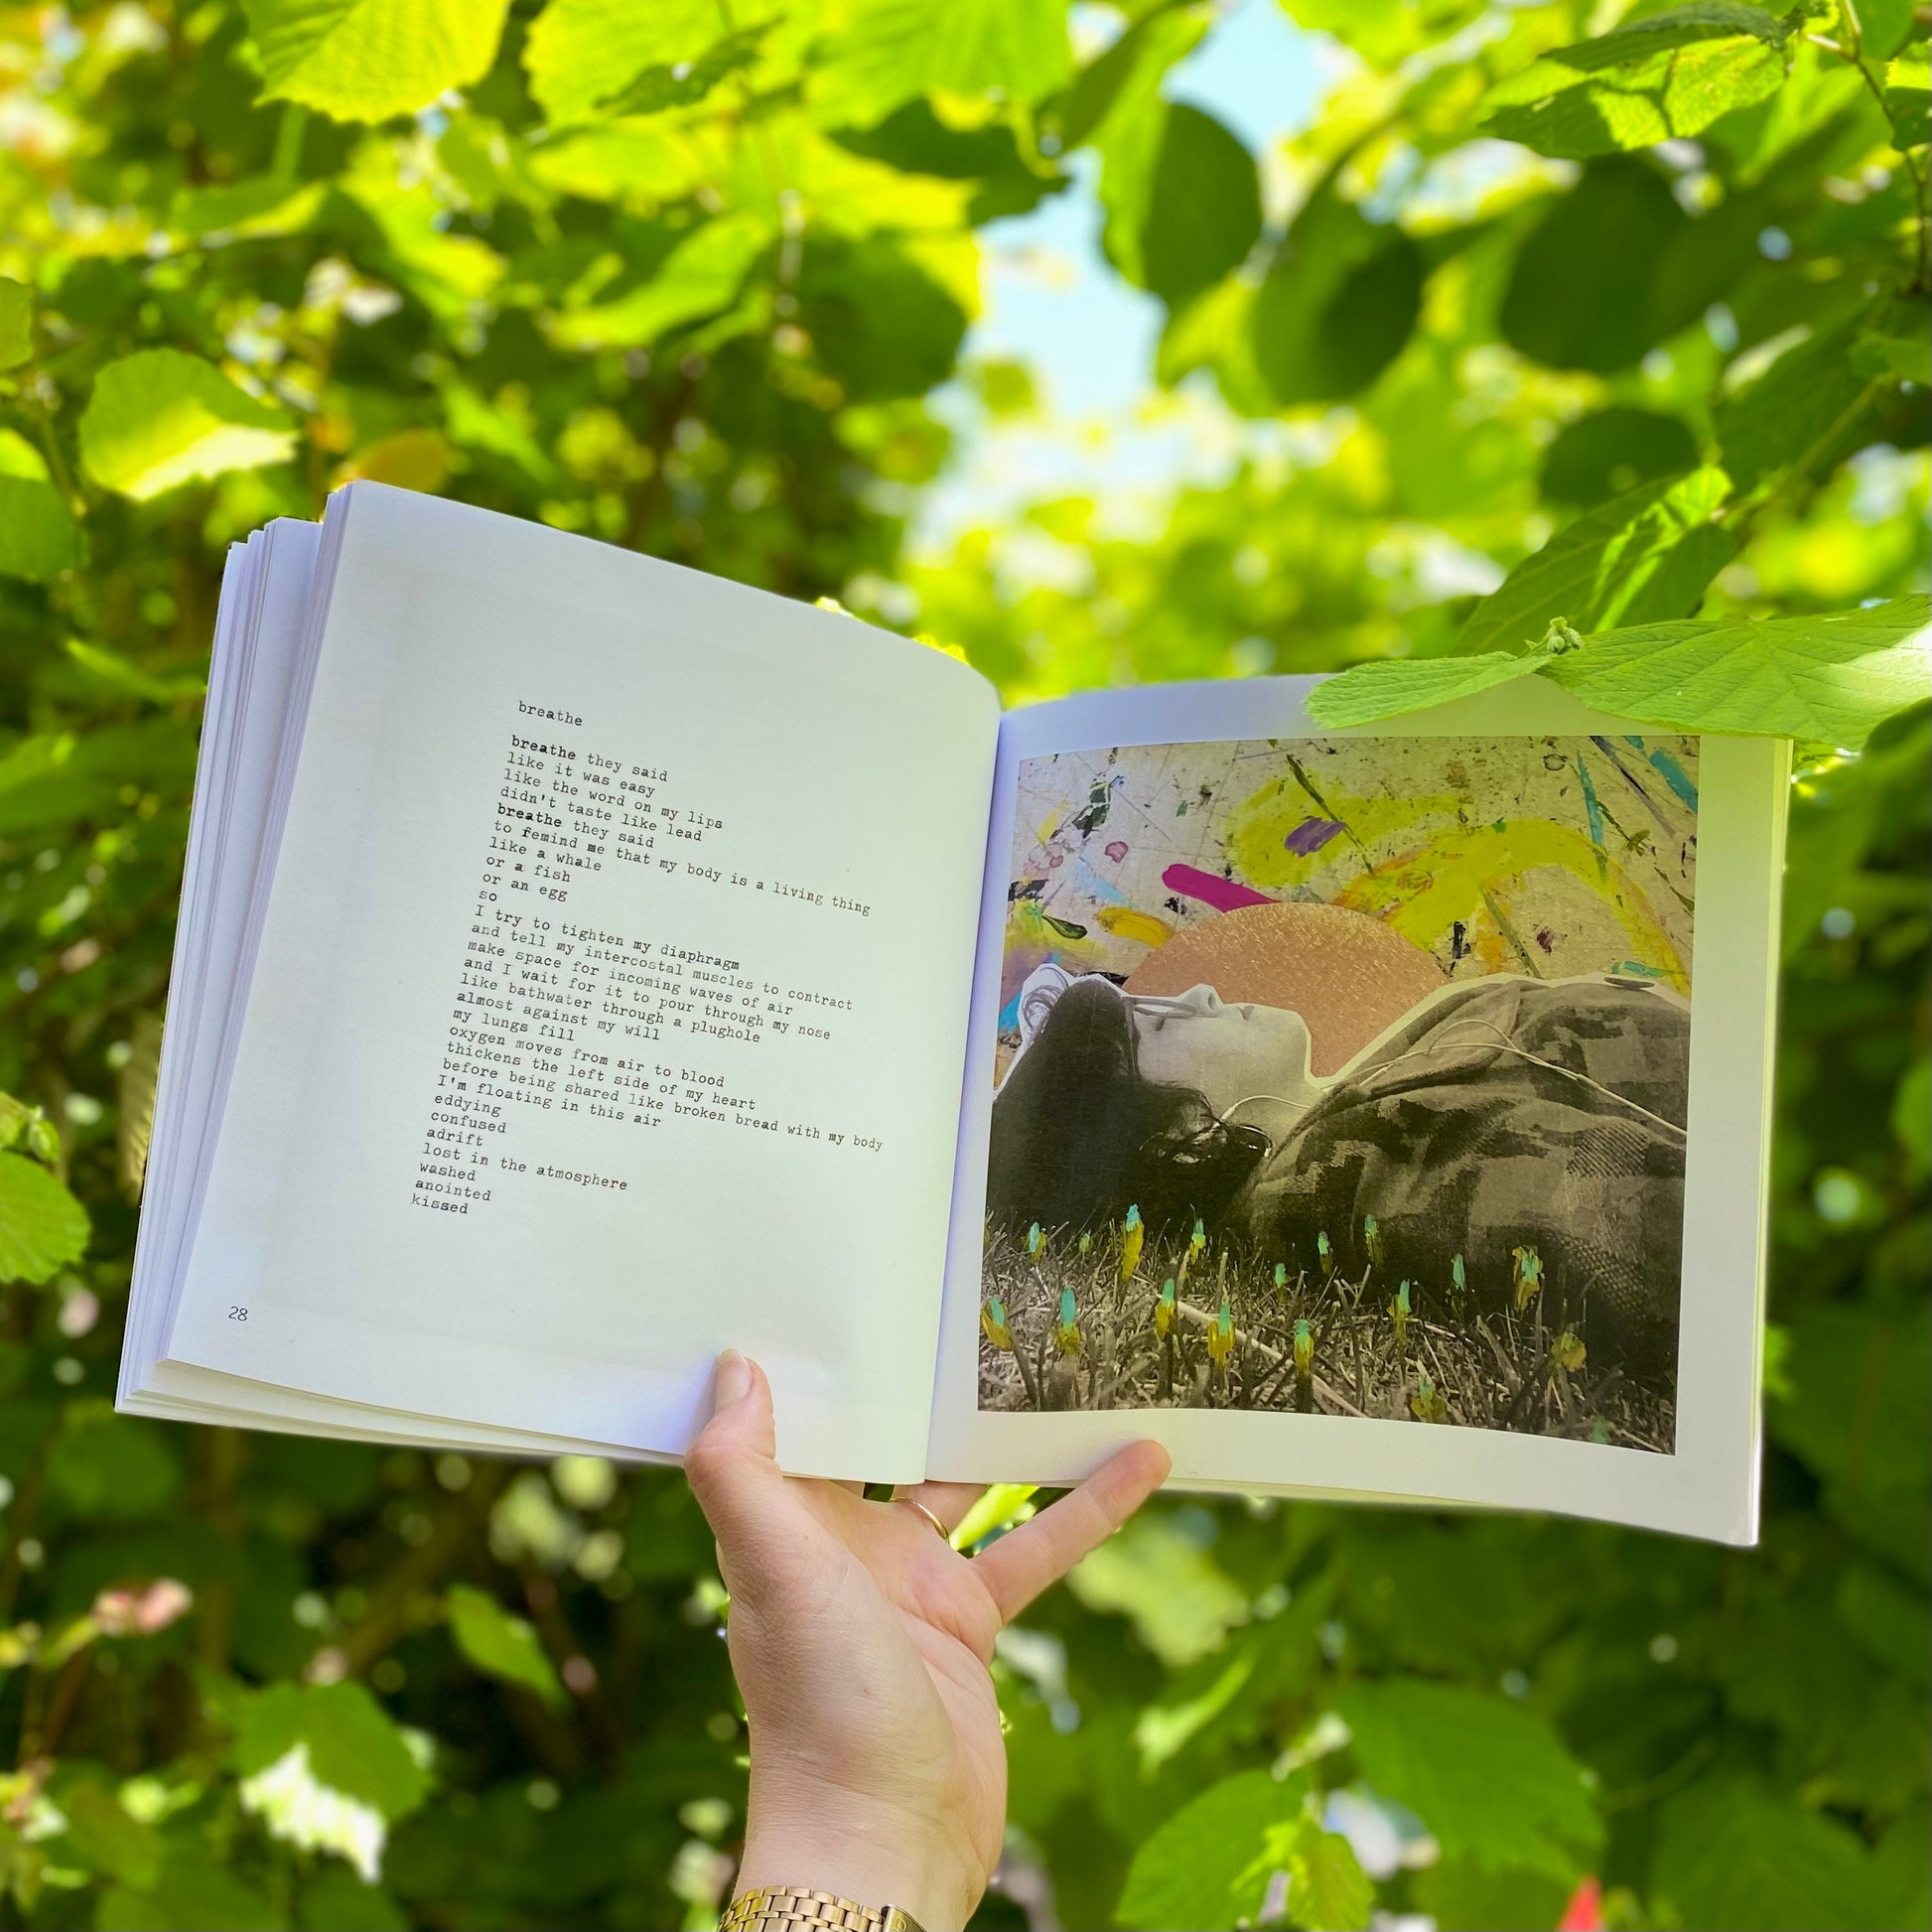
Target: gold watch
{"x":794,"y":1908}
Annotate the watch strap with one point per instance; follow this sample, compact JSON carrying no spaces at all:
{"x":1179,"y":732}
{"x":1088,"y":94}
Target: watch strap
{"x":797,"y":1908}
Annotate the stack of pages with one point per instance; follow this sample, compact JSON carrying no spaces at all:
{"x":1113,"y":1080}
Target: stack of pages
{"x":586,"y":964}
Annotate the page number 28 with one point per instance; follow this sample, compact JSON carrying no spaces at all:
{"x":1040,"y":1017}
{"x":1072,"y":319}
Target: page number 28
{"x":236,"y":1312}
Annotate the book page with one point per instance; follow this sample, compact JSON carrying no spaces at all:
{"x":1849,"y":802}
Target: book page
{"x":265,"y":594}
{"x":604,"y":1012}
{"x":1370,"y":1113}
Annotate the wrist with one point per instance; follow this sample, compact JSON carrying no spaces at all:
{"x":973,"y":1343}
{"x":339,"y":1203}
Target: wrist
{"x":868,"y":1851}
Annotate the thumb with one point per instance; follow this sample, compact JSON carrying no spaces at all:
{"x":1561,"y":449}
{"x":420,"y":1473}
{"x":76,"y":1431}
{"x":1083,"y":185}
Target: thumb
{"x":740,"y":1408}
{"x":731,"y":1463}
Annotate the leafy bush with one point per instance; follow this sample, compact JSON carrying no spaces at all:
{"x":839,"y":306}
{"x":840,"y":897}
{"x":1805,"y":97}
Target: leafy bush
{"x":1616,"y":325}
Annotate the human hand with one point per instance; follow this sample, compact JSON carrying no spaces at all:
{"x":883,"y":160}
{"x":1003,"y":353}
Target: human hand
{"x":861,"y":1641}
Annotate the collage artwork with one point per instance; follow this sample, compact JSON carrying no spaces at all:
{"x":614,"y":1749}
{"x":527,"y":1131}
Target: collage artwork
{"x":1346,"y":1077}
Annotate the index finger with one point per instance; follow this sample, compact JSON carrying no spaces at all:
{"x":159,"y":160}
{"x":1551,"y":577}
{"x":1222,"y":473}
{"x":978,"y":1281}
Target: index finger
{"x":1039,"y":1553}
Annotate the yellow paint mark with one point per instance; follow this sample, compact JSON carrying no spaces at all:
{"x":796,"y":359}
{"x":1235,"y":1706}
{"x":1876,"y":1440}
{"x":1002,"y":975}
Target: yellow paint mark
{"x":1258,"y":825}
{"x":1423,"y":892}
{"x":1428,"y":886}
{"x":1124,"y":923}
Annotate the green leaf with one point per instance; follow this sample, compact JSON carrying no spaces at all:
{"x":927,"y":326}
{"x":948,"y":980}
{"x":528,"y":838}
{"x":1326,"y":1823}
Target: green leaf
{"x":38,"y":537}
{"x":363,"y":62}
{"x":1184,"y":203}
{"x":1887,"y":24}
{"x":1908,"y":95}
{"x":1463,"y":1897}
{"x":1904,"y":1861}
{"x":1340,"y":301}
{"x":1384,"y":33}
{"x":42,"y":1226}
{"x":1578,"y":295}
{"x":16,"y":323}
{"x":1664,"y":77}
{"x":1911,"y":1117}
{"x":1909,"y":357}
{"x":158,"y":419}
{"x":102,"y":1836}
{"x":104,"y":1467}
{"x":411,"y":459}
{"x":1645,"y":555}
{"x":698,"y":278}
{"x":57,"y":776}
{"x":265,"y":205}
{"x":18,"y":1121}
{"x":1734,"y":1856}
{"x":1204,"y":208}
{"x":1892,"y":1622}
{"x":1365,"y":694}
{"x":586,"y":57}
{"x":337,"y":1900}
{"x":1122,"y":86}
{"x":190,"y":1890}
{"x":1828,"y":679}
{"x":1328,"y":1889}
{"x":641,"y":164}
{"x":881,"y":324}
{"x":1196,"y":1868}
{"x":1000,"y":1506}
{"x":1859,"y":1406}
{"x":19,"y":457}
{"x":683,"y":83}
{"x":447,"y":272}
{"x":353,"y":1745}
{"x":118,"y":674}
{"x":889,"y":52}
{"x":501,"y":1645}
{"x":1217,"y":332}
{"x":1181,"y":1604}
{"x":1834,"y":823}
{"x":915,"y":140}
{"x":1614,"y":450}
{"x":1492,"y":1780}
{"x":1811,"y":408}
{"x":477,"y":424}
{"x":1116,"y":104}
{"x":134,"y":1103}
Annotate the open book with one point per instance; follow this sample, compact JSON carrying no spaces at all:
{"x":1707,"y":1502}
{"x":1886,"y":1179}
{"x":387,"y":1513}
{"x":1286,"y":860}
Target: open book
{"x":586,"y":964}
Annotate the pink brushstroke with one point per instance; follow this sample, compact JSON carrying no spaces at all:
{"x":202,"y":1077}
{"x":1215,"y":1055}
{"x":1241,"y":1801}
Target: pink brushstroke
{"x":1211,"y":889}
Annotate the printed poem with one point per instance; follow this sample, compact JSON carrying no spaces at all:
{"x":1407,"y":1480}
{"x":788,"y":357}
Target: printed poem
{"x":633,"y":1020}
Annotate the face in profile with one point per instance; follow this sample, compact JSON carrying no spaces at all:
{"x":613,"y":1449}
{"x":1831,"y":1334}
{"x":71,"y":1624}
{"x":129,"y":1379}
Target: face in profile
{"x":1166,"y":1095}
{"x":1344,"y":976}
{"x":1231,"y":1053}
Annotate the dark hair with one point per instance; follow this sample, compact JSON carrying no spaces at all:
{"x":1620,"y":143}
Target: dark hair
{"x":1079,"y":1135}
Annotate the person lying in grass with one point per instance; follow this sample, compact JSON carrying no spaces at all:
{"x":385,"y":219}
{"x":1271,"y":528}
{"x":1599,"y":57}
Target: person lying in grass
{"x":1491,"y":1115}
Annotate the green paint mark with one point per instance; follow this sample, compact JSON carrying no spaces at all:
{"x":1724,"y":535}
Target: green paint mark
{"x":1508,"y":931}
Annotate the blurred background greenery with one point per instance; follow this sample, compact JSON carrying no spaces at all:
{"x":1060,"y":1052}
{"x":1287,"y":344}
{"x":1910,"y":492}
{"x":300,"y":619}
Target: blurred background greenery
{"x":1115,"y":344}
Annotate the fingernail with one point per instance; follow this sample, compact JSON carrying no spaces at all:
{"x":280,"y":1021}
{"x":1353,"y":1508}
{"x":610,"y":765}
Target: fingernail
{"x":732,"y":1381}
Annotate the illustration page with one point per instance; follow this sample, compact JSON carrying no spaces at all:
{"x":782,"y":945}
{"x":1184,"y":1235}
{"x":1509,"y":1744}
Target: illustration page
{"x":1338,"y":1096}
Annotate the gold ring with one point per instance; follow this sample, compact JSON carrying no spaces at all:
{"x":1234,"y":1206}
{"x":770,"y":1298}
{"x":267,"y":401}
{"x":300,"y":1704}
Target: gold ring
{"x":945,"y":1535}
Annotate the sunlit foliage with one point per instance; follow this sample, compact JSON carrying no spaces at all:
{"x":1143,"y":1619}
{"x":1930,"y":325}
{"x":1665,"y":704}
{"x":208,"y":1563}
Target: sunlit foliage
{"x":1607,"y":314}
